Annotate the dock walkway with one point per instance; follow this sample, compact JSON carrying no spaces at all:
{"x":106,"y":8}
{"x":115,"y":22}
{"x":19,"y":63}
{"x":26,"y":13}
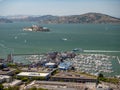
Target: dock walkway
{"x":118,"y":59}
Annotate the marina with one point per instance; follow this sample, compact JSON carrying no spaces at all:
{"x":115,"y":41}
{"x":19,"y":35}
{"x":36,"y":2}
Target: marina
{"x":88,"y":63}
{"x":93,"y":63}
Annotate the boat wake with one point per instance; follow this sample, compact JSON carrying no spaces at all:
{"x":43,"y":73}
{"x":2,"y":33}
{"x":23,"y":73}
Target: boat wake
{"x":2,"y":45}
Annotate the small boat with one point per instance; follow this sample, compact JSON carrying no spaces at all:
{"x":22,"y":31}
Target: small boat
{"x":65,"y":39}
{"x":15,"y":37}
{"x":78,"y":49}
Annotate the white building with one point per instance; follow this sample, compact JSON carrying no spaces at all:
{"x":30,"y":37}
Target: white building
{"x":13,"y":83}
{"x":16,"y":83}
{"x":34,"y":74}
{"x":5,"y":78}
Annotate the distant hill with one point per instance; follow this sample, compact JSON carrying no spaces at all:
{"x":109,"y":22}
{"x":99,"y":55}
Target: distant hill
{"x":84,"y":18}
{"x":3,"y":20}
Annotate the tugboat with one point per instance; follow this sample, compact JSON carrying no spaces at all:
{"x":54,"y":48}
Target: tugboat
{"x":36,"y":28}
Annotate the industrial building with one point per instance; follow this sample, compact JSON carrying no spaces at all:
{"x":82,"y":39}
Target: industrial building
{"x":73,"y":77}
{"x":54,"y":85}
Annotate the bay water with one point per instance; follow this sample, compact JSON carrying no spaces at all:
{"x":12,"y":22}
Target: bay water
{"x":62,"y":37}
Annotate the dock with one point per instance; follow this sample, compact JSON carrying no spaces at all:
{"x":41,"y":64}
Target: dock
{"x":101,"y":51}
{"x":118,"y":59}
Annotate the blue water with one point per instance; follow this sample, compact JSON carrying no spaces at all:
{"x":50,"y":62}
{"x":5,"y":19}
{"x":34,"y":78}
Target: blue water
{"x":87,"y":36}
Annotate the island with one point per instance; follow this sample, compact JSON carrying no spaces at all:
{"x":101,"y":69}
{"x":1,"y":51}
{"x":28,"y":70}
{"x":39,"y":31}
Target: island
{"x":36,"y":28}
{"x":4,"y":20}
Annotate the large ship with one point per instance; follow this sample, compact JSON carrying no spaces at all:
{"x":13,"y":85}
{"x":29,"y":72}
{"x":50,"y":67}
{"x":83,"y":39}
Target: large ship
{"x":36,"y":28}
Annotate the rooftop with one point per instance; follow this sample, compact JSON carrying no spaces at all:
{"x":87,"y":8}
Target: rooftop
{"x":65,"y":65}
{"x":33,"y":74}
{"x":7,"y":72}
{"x":72,"y":75}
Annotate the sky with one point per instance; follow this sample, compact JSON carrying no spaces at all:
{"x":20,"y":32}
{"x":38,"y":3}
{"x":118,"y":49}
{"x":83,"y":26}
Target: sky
{"x":59,"y":7}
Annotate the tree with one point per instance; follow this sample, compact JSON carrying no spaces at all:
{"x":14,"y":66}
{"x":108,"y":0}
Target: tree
{"x":12,"y":88}
{"x":100,"y":75}
{"x":1,"y":87}
{"x":24,"y":79}
{"x":33,"y":88}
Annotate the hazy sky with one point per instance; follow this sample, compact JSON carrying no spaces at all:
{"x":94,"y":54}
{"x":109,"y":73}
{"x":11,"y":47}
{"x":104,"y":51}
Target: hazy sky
{"x":59,"y":7}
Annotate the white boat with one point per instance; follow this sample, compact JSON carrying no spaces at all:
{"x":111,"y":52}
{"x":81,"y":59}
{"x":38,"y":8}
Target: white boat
{"x":65,"y":39}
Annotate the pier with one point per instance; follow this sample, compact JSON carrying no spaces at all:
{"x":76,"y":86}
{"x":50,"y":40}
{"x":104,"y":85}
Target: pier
{"x":118,"y":59}
{"x":100,"y":51}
